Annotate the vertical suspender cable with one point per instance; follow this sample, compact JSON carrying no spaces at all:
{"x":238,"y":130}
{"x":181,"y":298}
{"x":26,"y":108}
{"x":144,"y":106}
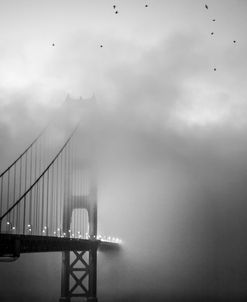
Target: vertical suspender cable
{"x":25,"y":187}
{"x":73,"y":182}
{"x":1,"y":200}
{"x":52,"y":200}
{"x":61,"y":192}
{"x":47,"y":204}
{"x":39,"y":163}
{"x":56,"y":200}
{"x":14,"y":210}
{"x":18,"y":206}
{"x":42,"y":204}
{"x":68,"y":189}
{"x":30,"y":182}
{"x":8,"y":217}
{"x":35,"y":191}
{"x":65,"y":192}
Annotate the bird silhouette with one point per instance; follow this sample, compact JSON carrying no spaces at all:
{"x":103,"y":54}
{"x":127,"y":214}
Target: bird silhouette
{"x":146,"y":5}
{"x":212,"y":33}
{"x":214,"y":20}
{"x":214,"y":69}
{"x":114,"y":6}
{"x":53,"y":44}
{"x":206,"y":6}
{"x":101,"y":46}
{"x":234,"y":41}
{"x":116,"y":12}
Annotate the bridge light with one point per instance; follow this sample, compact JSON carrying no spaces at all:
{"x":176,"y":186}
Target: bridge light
{"x":64,"y":234}
{"x":8,"y":222}
{"x":43,"y":231}
{"x":69,"y":231}
{"x":54,"y":233}
{"x":45,"y":227}
{"x":13,"y":228}
{"x":29,"y":225}
{"x":58,"y":229}
{"x":78,"y":232}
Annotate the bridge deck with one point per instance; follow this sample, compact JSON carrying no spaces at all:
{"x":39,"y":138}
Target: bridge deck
{"x":14,"y":245}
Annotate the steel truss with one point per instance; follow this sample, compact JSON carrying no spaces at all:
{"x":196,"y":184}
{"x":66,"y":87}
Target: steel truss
{"x":79,"y":276}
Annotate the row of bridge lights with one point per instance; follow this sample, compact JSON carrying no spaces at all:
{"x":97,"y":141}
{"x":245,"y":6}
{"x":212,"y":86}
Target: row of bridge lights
{"x":58,"y":233}
{"x":105,"y":238}
{"x":10,"y":224}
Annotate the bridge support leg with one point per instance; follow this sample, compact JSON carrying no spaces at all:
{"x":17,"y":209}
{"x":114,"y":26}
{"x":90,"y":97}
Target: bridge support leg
{"x":93,"y":275}
{"x":65,"y":277}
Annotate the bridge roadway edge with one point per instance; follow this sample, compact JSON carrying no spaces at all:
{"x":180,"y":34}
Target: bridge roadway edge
{"x":14,"y":245}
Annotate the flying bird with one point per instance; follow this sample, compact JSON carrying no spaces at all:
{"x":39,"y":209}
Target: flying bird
{"x":101,"y":45}
{"x":146,"y":5}
{"x":234,"y":41}
{"x":53,"y":44}
{"x":214,"y":69}
{"x":212,"y":33}
{"x":116,"y":12}
{"x":214,"y":20}
{"x":206,"y":6}
{"x":114,"y":6}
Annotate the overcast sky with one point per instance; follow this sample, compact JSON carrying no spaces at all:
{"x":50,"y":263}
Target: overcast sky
{"x":157,"y":62}
{"x":175,"y":128}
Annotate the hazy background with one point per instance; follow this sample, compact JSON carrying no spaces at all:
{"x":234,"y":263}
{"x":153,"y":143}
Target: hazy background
{"x":170,"y":132}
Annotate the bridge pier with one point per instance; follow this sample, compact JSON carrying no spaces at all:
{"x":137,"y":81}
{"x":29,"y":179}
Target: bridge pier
{"x":87,"y":269}
{"x":82,"y":271}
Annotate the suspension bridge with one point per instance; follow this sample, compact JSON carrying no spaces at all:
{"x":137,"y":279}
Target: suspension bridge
{"x":48,"y":203}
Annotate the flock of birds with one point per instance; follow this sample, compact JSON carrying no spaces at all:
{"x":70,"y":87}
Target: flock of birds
{"x":146,"y":5}
{"x":116,"y":12}
{"x":212,"y":33}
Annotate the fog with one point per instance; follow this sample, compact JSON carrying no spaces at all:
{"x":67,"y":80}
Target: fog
{"x":169,"y":138}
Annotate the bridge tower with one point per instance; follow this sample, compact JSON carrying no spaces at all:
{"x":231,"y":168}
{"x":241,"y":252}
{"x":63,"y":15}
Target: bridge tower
{"x":80,"y":267}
